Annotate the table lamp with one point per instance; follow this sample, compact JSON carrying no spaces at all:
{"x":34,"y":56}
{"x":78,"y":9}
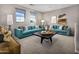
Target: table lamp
{"x":9,"y":21}
{"x":42,"y":21}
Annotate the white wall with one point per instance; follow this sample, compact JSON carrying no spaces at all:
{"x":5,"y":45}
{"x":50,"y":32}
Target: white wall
{"x":72,"y":14}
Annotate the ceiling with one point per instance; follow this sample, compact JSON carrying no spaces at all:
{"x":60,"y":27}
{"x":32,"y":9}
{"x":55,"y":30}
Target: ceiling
{"x":45,"y":7}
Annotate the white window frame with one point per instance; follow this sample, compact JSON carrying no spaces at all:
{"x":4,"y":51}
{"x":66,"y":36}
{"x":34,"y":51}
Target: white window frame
{"x":23,"y":14}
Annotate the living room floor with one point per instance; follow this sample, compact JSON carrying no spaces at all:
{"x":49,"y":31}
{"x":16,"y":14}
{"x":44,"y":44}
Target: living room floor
{"x":60,"y":45}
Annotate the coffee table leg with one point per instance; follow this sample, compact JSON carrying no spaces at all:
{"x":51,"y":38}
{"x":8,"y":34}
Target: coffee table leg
{"x":51,"y":39}
{"x":41,"y":40}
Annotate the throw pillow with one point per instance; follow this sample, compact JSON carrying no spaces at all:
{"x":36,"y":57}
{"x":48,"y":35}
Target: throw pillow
{"x":29,"y":28}
{"x":55,"y":26}
{"x":60,"y":27}
{"x":65,"y":27}
{"x":36,"y":27}
{"x":21,"y":27}
{"x":26,"y":27}
{"x":40,"y":26}
{"x":32,"y":27}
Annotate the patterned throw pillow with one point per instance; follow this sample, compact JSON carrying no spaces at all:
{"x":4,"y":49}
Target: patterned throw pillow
{"x":64,"y":27}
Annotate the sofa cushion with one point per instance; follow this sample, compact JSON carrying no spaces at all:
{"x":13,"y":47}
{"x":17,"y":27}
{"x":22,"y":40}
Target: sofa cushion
{"x":21,"y":27}
{"x":31,"y":27}
{"x":56,"y":26}
{"x":30,"y":31}
{"x":26,"y":27}
{"x":27,"y":31}
{"x":41,"y":27}
{"x":60,"y":27}
{"x":64,"y":27}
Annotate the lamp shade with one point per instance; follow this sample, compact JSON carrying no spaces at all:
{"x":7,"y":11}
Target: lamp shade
{"x":42,"y":21}
{"x":9,"y":19}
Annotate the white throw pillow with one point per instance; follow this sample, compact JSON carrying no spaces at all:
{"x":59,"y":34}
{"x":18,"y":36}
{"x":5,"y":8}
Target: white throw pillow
{"x":26,"y":27}
{"x":60,"y":27}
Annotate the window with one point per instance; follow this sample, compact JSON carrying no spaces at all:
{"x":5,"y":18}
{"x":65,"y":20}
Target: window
{"x":53,"y":20}
{"x":20,"y":15}
{"x":32,"y":18}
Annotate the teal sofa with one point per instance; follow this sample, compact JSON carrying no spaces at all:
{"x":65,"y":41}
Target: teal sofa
{"x":63,"y":30}
{"x":20,"y":33}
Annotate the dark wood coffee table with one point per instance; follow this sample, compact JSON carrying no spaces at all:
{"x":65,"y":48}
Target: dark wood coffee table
{"x":45,"y":35}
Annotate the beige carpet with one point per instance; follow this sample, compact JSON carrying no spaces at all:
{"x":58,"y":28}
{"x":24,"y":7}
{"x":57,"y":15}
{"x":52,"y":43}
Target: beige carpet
{"x":60,"y":45}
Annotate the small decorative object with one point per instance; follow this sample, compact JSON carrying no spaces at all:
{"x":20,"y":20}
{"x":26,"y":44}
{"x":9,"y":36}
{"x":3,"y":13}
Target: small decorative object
{"x":43,"y":32}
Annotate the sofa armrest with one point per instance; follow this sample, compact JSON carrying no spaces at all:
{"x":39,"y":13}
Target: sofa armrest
{"x":18,"y":32}
{"x":14,"y":46}
{"x":10,"y":46}
{"x":68,"y":31}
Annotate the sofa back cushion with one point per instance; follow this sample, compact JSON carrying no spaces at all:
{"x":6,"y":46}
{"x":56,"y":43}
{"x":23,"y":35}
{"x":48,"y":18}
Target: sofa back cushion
{"x":64,"y":27}
{"x":31,"y":27}
{"x":56,"y":26}
{"x":42,"y":27}
{"x":1,"y":37}
{"x":21,"y":27}
{"x":61,"y":27}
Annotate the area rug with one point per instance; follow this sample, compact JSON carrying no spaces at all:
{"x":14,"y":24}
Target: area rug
{"x":60,"y":45}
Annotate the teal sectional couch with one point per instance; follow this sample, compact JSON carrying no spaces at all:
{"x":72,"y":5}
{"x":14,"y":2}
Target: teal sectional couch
{"x":63,"y":30}
{"x":20,"y":33}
